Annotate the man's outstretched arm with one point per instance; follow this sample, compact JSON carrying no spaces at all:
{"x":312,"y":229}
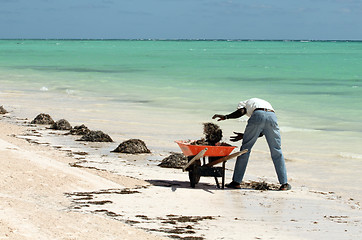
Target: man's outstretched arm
{"x":238,"y":113}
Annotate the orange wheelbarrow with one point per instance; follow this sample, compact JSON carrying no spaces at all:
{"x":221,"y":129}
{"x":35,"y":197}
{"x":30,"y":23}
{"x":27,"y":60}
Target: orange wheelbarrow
{"x":215,"y":155}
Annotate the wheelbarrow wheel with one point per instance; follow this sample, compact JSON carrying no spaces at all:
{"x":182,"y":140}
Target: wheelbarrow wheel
{"x":194,"y":176}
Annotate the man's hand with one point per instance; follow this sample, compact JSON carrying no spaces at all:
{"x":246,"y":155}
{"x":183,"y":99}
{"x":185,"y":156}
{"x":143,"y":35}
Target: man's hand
{"x":221,"y":117}
{"x":236,"y":138}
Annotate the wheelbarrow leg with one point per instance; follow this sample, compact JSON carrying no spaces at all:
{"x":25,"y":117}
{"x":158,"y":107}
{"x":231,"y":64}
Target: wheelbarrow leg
{"x":223,"y":176}
{"x":217,"y":182}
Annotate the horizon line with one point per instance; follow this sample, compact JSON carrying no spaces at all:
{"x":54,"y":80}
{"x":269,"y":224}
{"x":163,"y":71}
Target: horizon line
{"x":186,"y":39}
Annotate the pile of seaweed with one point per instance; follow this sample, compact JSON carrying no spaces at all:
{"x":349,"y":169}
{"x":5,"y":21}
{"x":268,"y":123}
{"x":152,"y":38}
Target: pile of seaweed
{"x":3,"y":110}
{"x":213,"y":136}
{"x":63,"y":124}
{"x":175,"y":160}
{"x":262,"y":186}
{"x":132,"y":146}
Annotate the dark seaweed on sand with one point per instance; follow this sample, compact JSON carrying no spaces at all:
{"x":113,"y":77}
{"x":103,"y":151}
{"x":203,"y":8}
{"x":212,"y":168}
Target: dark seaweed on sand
{"x":2,"y":110}
{"x":132,"y":146}
{"x":61,"y":124}
{"x":43,"y":118}
{"x":79,"y":130}
{"x":96,"y":136}
{"x":175,"y":160}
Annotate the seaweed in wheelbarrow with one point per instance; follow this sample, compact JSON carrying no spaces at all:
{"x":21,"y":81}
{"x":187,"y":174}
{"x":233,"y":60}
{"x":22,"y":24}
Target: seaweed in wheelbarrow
{"x":213,"y":136}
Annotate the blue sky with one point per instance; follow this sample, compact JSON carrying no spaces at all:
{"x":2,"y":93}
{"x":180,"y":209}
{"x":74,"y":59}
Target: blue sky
{"x":182,"y":19}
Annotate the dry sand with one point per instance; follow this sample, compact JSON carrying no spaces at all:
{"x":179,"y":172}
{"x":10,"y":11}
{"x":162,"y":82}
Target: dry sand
{"x":43,"y":197}
{"x":33,"y":204}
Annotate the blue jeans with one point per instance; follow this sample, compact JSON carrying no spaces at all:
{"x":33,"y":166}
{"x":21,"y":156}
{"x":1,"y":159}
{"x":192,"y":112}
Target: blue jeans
{"x":265,"y":123}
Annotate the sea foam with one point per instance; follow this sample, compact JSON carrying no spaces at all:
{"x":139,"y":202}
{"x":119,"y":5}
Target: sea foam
{"x":350,"y":155}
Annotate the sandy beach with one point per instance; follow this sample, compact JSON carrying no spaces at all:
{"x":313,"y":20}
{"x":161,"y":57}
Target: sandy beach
{"x":34,"y":204}
{"x":52,"y":191}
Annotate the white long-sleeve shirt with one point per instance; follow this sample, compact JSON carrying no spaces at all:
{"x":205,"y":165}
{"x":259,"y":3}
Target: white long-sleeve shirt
{"x":254,"y":103}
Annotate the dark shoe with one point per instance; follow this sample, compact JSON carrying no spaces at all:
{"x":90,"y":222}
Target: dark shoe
{"x":233,"y":184}
{"x":285,"y":187}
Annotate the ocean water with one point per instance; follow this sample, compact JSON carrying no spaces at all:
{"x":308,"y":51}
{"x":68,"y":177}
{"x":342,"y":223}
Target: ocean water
{"x":162,"y":91}
{"x":165,"y":89}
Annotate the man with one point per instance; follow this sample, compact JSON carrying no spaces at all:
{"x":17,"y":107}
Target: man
{"x":262,"y":121}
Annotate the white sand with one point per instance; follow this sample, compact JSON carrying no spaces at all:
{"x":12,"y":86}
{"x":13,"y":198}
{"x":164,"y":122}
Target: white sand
{"x":34,"y":203}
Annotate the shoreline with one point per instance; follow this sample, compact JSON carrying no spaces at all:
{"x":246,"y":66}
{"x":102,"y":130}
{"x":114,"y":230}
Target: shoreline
{"x":157,"y":200}
{"x":317,"y":161}
{"x":191,"y":39}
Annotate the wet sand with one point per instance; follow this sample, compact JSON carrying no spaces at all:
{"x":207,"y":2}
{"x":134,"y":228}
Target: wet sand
{"x":68,"y":191}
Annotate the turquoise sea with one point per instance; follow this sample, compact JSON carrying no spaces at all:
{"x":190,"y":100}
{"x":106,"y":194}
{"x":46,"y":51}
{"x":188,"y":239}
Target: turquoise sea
{"x":315,"y":86}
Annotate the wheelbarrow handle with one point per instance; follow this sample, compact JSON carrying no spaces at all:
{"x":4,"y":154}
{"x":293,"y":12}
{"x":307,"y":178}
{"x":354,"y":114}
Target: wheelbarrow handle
{"x":223,"y":159}
{"x":197,"y":157}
